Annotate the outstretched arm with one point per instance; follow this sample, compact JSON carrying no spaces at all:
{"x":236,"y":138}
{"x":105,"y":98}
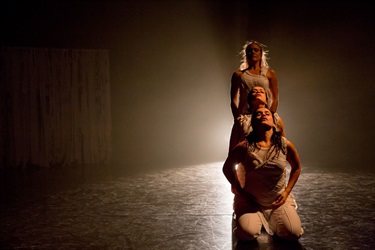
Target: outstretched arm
{"x":274,"y":88}
{"x":281,"y":126}
{"x":235,"y":93}
{"x":294,"y":161}
{"x":229,"y":169}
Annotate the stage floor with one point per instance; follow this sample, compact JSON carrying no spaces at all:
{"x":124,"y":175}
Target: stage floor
{"x":185,"y":208}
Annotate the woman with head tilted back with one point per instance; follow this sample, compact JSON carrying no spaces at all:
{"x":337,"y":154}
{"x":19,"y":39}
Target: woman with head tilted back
{"x":266,"y":199}
{"x":258,"y":97}
{"x":254,"y":70}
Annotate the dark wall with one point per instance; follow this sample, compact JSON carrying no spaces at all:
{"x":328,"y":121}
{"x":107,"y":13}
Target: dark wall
{"x":171,"y":63}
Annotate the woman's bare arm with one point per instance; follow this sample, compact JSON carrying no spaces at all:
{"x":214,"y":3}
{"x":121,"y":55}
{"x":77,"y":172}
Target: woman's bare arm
{"x":294,"y":161}
{"x":229,"y":168}
{"x":274,"y":88}
{"x":235,"y":93}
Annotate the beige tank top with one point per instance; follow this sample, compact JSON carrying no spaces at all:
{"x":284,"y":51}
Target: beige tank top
{"x":266,"y":174}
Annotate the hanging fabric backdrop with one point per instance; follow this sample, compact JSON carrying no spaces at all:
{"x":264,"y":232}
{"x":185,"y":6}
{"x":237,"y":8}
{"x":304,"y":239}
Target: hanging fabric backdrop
{"x":54,"y":107}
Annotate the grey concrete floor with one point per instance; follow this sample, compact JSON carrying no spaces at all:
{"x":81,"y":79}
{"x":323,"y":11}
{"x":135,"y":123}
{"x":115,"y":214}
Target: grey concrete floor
{"x":182,"y":208}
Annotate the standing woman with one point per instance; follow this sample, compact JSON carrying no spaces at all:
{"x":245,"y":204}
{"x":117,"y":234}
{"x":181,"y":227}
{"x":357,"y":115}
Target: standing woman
{"x":254,"y":70}
{"x":266,"y":198}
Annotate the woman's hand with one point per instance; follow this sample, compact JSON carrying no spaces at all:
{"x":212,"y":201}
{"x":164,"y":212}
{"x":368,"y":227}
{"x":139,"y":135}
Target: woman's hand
{"x":280,"y":200}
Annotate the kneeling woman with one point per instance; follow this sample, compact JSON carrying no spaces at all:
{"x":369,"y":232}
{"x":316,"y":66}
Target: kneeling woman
{"x":266,"y":199}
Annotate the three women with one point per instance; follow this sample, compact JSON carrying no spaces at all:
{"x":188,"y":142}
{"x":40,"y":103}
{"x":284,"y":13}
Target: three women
{"x":259,"y":152}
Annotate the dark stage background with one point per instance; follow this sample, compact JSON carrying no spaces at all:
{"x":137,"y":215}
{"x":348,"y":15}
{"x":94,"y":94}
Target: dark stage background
{"x":171,"y":63}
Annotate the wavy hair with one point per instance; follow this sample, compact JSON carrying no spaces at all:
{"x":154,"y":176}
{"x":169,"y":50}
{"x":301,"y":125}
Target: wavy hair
{"x":244,"y":64}
{"x":276,"y":138}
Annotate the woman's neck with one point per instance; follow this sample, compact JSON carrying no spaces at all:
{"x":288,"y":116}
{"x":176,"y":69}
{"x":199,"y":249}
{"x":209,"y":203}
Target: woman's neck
{"x":264,"y":140}
{"x":253,"y":66}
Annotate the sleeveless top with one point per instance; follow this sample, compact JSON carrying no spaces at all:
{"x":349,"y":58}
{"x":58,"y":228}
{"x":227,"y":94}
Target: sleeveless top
{"x":265,"y":181}
{"x":265,"y":173}
{"x":248,"y":81}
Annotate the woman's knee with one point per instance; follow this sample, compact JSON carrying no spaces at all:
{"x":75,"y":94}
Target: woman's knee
{"x":289,"y":224}
{"x":289,"y":234}
{"x":246,"y":234}
{"x":248,"y":227}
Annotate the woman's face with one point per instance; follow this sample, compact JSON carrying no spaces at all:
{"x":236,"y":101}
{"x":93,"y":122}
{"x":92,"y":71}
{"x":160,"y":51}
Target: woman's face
{"x":263,"y":116}
{"x":258,"y":94}
{"x":253,"y":52}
